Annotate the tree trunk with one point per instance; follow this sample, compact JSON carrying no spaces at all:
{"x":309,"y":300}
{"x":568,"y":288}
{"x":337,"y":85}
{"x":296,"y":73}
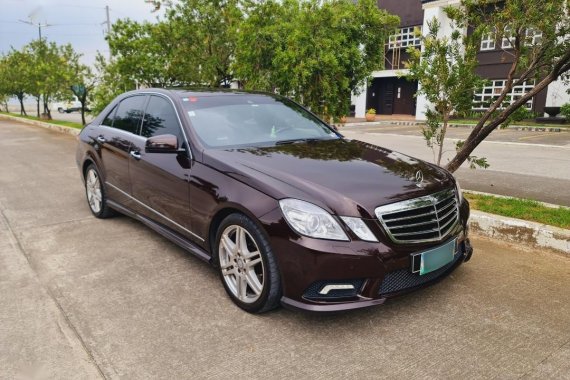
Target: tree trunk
{"x":21,"y":100}
{"x":477,"y":136}
{"x":38,"y":106}
{"x":443,"y":131}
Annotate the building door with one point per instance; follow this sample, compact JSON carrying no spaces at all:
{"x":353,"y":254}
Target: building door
{"x":404,"y":100}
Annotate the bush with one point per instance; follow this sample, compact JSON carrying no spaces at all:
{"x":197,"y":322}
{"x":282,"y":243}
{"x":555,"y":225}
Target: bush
{"x":522,"y":113}
{"x":565,"y":111}
{"x":371,"y":111}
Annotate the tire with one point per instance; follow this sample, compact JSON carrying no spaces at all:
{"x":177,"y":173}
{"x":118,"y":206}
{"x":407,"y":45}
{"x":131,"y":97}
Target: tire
{"x":95,"y":194}
{"x":60,"y":110}
{"x":239,"y":268}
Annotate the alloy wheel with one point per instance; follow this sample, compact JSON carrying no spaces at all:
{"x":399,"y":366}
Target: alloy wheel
{"x":241,"y":264}
{"x":94,"y":193}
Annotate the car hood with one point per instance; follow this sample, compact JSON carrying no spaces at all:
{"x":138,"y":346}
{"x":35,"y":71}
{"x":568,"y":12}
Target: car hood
{"x":347,"y":177}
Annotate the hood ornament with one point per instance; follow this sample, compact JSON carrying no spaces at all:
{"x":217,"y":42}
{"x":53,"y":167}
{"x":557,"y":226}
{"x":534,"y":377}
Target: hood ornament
{"x":419,"y":178}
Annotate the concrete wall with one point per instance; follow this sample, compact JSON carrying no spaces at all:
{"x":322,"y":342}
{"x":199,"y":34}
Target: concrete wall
{"x":556,"y":94}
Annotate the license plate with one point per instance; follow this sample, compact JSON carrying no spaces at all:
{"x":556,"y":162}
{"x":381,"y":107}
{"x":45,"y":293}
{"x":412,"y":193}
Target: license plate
{"x":428,"y":261}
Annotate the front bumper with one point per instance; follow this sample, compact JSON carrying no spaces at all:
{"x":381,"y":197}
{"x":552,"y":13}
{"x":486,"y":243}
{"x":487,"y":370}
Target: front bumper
{"x":379,"y":271}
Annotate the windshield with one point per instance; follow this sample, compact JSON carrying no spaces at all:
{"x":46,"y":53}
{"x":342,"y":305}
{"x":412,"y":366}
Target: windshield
{"x":252,"y":120}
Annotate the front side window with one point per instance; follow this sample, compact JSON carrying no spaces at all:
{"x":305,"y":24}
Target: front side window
{"x":129,"y":114}
{"x":160,"y":119}
{"x":252,"y":120}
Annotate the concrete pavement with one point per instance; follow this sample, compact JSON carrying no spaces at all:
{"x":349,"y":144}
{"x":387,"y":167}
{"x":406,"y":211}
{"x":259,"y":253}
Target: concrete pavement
{"x":530,"y":165}
{"x":87,"y":298}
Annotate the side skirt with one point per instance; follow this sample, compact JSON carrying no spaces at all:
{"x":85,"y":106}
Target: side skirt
{"x":164,"y":231}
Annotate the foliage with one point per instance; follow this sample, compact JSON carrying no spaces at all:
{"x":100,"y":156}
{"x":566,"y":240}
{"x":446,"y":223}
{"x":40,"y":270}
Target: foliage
{"x":316,"y":52}
{"x":541,"y":60}
{"x":371,"y":111}
{"x":109,"y":83}
{"x":565,"y":111}
{"x":445,"y":69}
{"x":15,"y":75}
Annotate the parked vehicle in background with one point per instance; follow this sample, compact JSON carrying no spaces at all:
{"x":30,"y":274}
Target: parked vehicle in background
{"x":69,"y":107}
{"x":288,"y":210}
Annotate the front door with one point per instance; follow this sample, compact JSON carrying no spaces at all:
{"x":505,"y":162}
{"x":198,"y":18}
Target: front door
{"x":159,"y":181}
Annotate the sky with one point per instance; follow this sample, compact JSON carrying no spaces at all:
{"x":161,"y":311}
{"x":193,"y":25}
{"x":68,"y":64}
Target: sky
{"x":78,"y":22}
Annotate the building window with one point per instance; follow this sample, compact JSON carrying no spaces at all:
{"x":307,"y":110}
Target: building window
{"x":482,"y":100}
{"x":533,"y":37}
{"x":488,"y":41}
{"x":408,"y":36}
{"x":507,"y":38}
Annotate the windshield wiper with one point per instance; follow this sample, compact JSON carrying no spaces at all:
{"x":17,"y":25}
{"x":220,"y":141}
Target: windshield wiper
{"x":295,"y":141}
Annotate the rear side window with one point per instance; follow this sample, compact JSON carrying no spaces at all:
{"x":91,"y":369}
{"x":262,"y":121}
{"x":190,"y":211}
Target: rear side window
{"x":108,"y":121}
{"x":129,"y":114}
{"x":160,"y":119}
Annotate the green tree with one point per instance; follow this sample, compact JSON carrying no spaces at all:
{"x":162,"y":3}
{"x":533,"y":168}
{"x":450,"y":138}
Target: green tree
{"x":109,"y":83}
{"x":316,"y":52}
{"x":537,"y":31}
{"x":84,"y":82}
{"x":445,"y":69}
{"x":51,"y":72}
{"x":15,"y":76}
{"x":204,"y":39}
{"x":140,"y":53}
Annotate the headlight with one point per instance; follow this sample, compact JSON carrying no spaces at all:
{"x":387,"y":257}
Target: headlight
{"x":359,"y":228}
{"x":310,"y":220}
{"x":459,"y":192}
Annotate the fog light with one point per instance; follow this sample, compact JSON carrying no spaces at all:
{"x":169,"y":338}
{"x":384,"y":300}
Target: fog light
{"x":327,"y":288}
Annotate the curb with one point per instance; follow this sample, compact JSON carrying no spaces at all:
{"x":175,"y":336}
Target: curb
{"x":531,"y":234}
{"x":470,"y":126}
{"x":43,"y":124}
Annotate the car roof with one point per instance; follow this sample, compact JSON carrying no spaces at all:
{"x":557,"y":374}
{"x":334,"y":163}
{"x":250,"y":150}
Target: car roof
{"x":200,"y":92}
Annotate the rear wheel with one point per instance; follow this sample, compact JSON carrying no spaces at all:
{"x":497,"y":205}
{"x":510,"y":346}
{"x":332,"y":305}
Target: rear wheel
{"x":247,"y":265}
{"x":95,"y":193}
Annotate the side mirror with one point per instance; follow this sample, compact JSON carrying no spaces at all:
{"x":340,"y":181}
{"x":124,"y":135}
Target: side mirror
{"x":162,"y":144}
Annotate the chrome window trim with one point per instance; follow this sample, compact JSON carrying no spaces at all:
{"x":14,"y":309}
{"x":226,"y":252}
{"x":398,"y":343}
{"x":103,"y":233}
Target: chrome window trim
{"x":426,"y":201}
{"x":153,"y":210}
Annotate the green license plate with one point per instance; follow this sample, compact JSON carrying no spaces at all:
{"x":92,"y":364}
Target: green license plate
{"x":436,"y":258}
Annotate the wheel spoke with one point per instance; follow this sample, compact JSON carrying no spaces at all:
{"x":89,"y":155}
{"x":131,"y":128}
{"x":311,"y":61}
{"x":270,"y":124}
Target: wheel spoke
{"x":253,"y":282}
{"x":241,"y":287}
{"x":228,"y":245}
{"x":251,"y":263}
{"x":241,"y":241}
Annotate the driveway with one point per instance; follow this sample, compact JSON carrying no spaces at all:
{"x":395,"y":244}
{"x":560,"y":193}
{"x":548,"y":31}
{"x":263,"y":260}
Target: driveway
{"x":523,"y":164}
{"x":83,"y":298}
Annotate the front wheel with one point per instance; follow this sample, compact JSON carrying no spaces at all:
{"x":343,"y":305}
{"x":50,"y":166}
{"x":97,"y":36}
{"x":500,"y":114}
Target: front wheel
{"x":247,"y":266}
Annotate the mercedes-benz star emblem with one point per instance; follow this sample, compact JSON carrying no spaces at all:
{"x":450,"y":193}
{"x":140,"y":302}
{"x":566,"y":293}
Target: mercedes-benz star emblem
{"x":419,"y":178}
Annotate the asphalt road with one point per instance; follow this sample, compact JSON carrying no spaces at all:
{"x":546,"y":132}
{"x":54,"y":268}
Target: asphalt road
{"x":533,"y":165}
{"x":83,"y":298}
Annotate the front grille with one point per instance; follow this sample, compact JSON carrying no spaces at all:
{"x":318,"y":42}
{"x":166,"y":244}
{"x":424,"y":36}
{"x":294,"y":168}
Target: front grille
{"x":403,"y":279}
{"x":418,"y":220}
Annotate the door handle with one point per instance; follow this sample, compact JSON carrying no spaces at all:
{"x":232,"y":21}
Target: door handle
{"x":136,"y":155}
{"x":101,"y":139}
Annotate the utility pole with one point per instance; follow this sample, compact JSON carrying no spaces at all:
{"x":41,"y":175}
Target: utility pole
{"x":39,"y":25}
{"x":107,"y":24}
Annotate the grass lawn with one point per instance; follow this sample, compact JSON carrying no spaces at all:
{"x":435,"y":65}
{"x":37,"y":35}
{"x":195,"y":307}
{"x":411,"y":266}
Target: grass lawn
{"x":525,"y":123}
{"x":521,"y":209}
{"x":58,"y":122}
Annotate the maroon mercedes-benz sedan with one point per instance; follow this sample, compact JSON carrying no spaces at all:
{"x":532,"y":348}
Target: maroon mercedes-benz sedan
{"x":288,"y":210}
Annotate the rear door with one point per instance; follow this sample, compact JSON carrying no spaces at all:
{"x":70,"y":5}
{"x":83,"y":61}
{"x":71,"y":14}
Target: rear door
{"x":115,"y":140}
{"x":159,"y":181}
